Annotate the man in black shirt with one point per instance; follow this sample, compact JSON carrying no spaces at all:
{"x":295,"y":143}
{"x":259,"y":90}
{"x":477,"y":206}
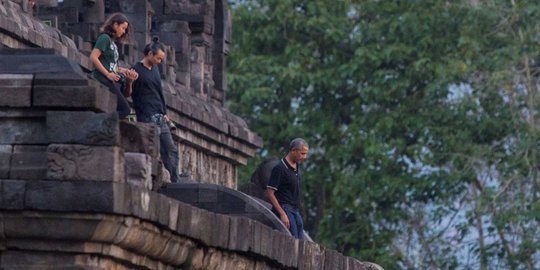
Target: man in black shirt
{"x":283,"y":188}
{"x":150,"y":106}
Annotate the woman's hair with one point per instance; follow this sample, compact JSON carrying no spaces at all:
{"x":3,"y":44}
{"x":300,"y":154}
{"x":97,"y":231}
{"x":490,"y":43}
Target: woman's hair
{"x":153,"y":46}
{"x":108,"y":29}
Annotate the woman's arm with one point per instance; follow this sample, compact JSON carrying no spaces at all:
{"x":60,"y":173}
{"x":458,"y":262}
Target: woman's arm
{"x":94,"y":57}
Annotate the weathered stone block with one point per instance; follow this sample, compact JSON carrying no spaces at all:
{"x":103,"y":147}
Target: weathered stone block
{"x":160,"y":175}
{"x":220,"y":230}
{"x":12,"y":194}
{"x":69,"y":196}
{"x":139,"y":138}
{"x":283,"y":256}
{"x":75,"y":97}
{"x":139,"y":169}
{"x":86,"y":128}
{"x":262,"y":265}
{"x":354,"y":264}
{"x":22,"y":127}
{"x":332,"y":259}
{"x":79,"y":162}
{"x":16,"y":90}
{"x":5,"y":160}
{"x":241,"y":234}
{"x":267,"y":241}
{"x":256,"y":242}
{"x":15,"y":97}
{"x":184,"y":217}
{"x":28,"y":162}
{"x":168,"y":212}
{"x":37,"y":226}
{"x":205,"y":230}
{"x":141,"y":202}
{"x":173,"y":214}
{"x":21,"y":259}
{"x":122,"y":198}
{"x":196,"y":223}
{"x":311,"y":256}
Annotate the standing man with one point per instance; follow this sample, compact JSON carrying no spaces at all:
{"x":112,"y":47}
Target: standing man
{"x":283,"y":188}
{"x":150,"y":106}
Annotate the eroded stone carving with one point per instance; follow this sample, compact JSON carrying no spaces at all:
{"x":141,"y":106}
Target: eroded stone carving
{"x":82,"y":162}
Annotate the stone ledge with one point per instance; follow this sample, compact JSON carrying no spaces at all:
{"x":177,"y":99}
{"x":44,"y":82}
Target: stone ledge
{"x":129,"y":241}
{"x":143,"y":222}
{"x":74,"y":97}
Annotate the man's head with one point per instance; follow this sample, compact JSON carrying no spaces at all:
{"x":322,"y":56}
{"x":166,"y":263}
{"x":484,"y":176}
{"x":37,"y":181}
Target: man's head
{"x":154,"y":52}
{"x":298,"y":150}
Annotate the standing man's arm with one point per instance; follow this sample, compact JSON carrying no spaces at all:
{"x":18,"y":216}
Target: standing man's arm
{"x":283,"y":216}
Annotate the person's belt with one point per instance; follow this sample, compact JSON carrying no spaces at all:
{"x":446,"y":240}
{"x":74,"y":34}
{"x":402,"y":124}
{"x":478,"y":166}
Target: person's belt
{"x":290,"y":206}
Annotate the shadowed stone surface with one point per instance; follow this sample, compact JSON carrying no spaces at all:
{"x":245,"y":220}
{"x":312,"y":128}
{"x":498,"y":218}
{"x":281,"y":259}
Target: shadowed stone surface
{"x":12,"y":192}
{"x":223,"y":200}
{"x":5,"y":160}
{"x":16,"y":90}
{"x":75,"y":97}
{"x":87,"y":128}
{"x":139,"y":138}
{"x":28,"y":162}
{"x":22,"y":127}
{"x":13,"y":61}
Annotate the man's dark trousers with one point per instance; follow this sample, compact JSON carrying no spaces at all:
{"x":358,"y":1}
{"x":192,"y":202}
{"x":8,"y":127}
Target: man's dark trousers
{"x":168,"y":151}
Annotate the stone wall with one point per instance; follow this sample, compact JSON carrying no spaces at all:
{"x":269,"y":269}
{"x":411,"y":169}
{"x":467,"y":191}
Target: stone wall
{"x":214,"y":141}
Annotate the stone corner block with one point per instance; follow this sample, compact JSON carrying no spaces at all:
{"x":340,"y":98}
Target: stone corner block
{"x":139,"y":138}
{"x":138,"y":169}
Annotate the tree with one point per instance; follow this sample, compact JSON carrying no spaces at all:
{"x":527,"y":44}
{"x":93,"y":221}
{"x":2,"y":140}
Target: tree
{"x":420,"y":117}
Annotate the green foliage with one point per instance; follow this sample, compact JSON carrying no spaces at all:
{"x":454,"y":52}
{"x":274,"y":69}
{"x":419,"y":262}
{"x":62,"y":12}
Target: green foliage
{"x":418,"y":115}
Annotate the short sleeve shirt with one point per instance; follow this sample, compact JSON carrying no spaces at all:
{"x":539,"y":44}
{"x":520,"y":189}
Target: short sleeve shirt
{"x":147,"y":93}
{"x":286,"y":182}
{"x":108,"y":57}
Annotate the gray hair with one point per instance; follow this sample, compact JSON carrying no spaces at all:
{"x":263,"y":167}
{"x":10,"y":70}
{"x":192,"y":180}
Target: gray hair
{"x":297,"y":143}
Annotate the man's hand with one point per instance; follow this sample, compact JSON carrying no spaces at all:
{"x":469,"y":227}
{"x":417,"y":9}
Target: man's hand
{"x":131,"y":74}
{"x":286,"y":221}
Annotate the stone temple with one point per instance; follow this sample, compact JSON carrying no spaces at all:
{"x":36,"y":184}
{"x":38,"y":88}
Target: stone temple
{"x":80,"y":189}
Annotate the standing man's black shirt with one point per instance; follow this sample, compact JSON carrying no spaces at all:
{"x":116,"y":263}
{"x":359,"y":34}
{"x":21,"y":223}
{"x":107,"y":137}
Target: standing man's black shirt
{"x":286,"y":182}
{"x":147,"y":93}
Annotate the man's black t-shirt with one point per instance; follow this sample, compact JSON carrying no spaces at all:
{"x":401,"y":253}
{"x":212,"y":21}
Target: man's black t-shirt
{"x":147,"y":93}
{"x":286,"y":181}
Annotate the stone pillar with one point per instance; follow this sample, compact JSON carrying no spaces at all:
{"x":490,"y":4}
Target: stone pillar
{"x":220,"y":51}
{"x":200,"y":18}
{"x":178,"y":35}
{"x":96,"y":12}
